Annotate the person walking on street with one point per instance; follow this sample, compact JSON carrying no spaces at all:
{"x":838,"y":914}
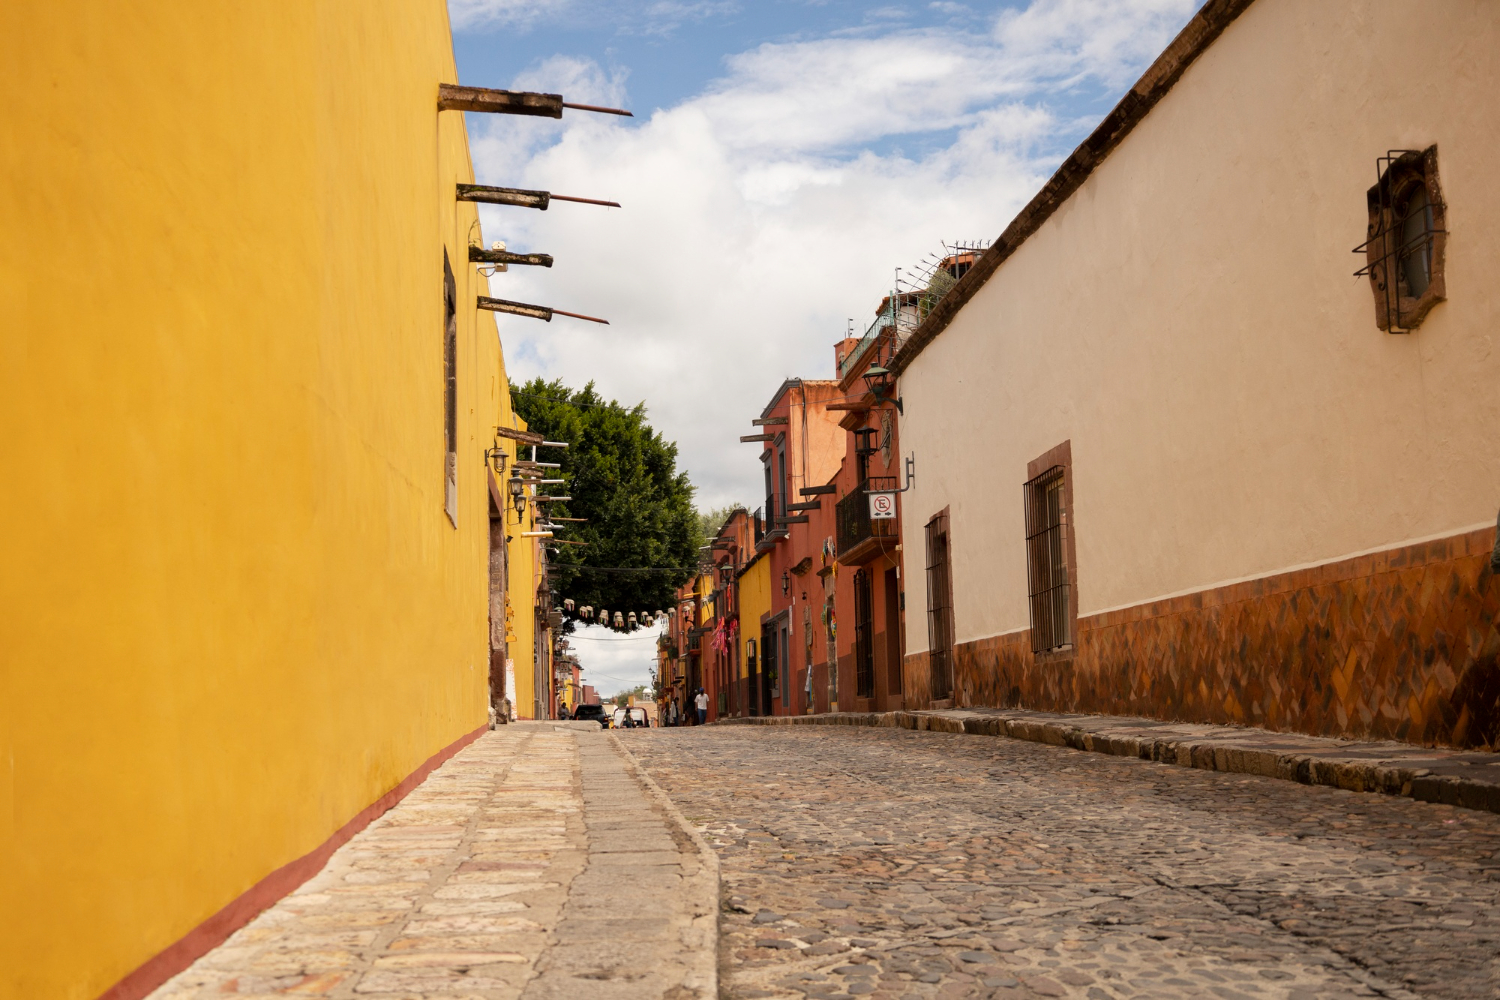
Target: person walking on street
{"x":701,"y":703}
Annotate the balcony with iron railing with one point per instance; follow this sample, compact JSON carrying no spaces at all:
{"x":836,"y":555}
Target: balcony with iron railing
{"x":775,"y":529}
{"x":861,"y":537}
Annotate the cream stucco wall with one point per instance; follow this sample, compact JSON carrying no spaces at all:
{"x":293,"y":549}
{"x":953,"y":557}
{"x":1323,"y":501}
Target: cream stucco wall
{"x":1189,"y":320}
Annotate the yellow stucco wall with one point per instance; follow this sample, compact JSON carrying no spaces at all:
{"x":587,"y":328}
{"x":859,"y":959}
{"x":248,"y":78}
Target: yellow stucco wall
{"x":754,"y":601}
{"x":703,"y":586}
{"x":235,"y":610}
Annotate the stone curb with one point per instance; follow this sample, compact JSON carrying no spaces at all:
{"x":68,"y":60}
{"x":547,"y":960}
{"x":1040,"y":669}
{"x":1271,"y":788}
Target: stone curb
{"x":1355,"y":774}
{"x":701,"y":887}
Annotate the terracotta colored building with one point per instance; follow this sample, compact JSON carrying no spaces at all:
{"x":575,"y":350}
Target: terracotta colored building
{"x":680,"y":650}
{"x":803,"y":448}
{"x":720,"y":655}
{"x":827,"y":635}
{"x":863,"y":586}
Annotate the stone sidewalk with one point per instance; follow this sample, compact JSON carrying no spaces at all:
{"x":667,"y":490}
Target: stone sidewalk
{"x":537,"y":863}
{"x":1470,"y":779}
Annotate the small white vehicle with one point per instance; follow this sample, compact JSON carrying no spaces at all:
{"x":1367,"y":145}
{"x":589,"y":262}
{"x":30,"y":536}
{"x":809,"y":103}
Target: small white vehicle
{"x":629,"y":718}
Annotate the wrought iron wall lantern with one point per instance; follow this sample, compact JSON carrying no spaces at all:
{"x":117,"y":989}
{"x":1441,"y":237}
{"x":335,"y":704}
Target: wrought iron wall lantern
{"x":786,"y":583}
{"x":518,"y":493}
{"x":883,"y":385}
{"x":495,"y":458}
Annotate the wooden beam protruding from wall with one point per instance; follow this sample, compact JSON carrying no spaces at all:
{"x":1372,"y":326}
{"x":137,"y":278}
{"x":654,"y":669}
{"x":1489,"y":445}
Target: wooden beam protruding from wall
{"x":525,"y":437}
{"x":515,"y":308}
{"x":522,"y":198}
{"x":452,"y":97}
{"x":527,"y":309}
{"x":504,"y":196}
{"x":479,"y":255}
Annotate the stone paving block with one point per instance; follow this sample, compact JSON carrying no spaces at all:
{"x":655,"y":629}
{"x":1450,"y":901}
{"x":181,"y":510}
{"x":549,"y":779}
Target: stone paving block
{"x":1084,"y":875}
{"x":464,"y":890}
{"x":611,"y":844}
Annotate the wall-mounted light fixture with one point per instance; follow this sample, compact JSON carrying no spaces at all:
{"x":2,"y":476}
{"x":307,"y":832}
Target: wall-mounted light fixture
{"x":495,"y":459}
{"x":518,"y":494}
{"x":883,"y":385}
{"x":786,"y":583}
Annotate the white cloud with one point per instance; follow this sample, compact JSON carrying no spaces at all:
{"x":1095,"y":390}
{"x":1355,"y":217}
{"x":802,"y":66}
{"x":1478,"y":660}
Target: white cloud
{"x":613,"y":663}
{"x":1063,"y":42}
{"x":631,"y":17}
{"x":762,"y":213}
{"x":466,"y":14}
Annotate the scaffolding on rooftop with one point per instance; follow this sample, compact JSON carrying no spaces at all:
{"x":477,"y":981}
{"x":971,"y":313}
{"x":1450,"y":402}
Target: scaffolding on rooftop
{"x":916,"y":293}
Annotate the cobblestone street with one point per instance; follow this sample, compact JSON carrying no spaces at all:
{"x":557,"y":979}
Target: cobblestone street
{"x":892,"y":863}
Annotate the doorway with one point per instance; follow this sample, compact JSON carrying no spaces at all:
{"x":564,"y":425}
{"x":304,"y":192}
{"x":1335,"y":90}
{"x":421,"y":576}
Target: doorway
{"x":497,"y":613}
{"x":894,"y":689}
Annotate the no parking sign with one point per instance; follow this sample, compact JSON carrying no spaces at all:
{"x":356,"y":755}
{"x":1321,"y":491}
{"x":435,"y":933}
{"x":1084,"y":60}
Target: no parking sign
{"x":882,"y":506}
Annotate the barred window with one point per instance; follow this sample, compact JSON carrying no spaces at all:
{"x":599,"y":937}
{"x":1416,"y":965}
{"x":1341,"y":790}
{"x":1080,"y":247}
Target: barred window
{"x":1406,"y":237}
{"x":1049,"y":584}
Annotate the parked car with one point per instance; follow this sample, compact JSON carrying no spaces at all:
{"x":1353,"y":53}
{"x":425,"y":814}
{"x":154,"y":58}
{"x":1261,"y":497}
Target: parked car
{"x":630,"y":718}
{"x":591,"y":713}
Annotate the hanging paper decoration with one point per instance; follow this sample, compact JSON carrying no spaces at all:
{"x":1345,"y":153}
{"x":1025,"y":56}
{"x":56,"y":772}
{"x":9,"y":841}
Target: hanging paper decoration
{"x":568,"y":604}
{"x":619,"y":620}
{"x":724,"y":632}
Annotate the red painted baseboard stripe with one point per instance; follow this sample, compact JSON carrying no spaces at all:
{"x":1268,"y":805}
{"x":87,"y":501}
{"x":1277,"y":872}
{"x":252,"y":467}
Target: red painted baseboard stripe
{"x":262,"y":895}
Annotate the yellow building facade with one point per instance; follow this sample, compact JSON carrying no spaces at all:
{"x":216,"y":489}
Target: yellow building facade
{"x":241,"y":604}
{"x":754,"y":583}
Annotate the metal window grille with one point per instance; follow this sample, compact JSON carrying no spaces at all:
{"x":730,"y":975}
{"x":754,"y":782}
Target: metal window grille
{"x":864,"y":636}
{"x":1047,"y":562}
{"x":1406,"y":221}
{"x":939,"y":608}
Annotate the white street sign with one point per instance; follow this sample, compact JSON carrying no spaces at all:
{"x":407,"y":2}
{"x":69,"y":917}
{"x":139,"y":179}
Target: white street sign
{"x":882,"y":506}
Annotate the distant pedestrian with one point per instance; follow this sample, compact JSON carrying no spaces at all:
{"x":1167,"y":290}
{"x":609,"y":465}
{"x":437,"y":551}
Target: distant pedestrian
{"x":672,"y":712}
{"x":701,"y":703}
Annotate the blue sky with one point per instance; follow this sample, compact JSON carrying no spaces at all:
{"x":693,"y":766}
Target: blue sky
{"x":669,"y":52}
{"x":786,"y":157}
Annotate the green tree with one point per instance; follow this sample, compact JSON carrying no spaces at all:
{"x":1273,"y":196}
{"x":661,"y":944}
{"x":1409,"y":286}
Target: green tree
{"x":710,"y":521}
{"x":641,"y":529}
